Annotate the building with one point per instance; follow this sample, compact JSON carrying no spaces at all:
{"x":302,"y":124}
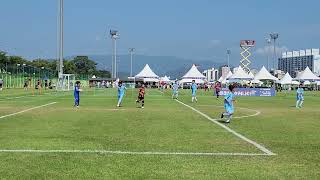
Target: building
{"x":211,"y":74}
{"x":296,"y":61}
{"x":223,"y":71}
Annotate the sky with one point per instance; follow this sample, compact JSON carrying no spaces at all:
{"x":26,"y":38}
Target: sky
{"x":192,"y":29}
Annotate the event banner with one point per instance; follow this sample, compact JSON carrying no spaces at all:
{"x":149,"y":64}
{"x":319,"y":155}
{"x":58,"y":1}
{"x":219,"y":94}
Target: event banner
{"x":250,"y":92}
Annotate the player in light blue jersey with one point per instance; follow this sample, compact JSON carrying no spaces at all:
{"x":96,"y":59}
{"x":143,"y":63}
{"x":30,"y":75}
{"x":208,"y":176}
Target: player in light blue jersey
{"x":194,"y":91}
{"x":175,"y":90}
{"x":121,"y":91}
{"x":228,"y":104}
{"x":300,"y":97}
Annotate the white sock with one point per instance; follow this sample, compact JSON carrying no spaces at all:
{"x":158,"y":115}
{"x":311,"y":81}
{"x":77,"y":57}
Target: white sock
{"x":192,"y":99}
{"x":300,"y":104}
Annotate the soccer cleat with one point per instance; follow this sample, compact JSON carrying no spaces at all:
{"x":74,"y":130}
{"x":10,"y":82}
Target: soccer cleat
{"x":222,"y":115}
{"x":142,"y":107}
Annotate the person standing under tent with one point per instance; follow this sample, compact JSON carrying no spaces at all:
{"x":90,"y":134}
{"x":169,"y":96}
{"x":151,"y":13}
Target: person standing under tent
{"x":228,"y":104}
{"x":121,"y":91}
{"x":76,"y":94}
{"x":194,"y":91}
{"x":175,"y":90}
{"x":1,"y":84}
{"x":300,"y":97}
{"x":141,"y":96}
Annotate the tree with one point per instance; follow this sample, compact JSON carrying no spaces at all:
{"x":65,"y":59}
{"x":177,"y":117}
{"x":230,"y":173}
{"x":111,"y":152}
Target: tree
{"x":83,"y":65}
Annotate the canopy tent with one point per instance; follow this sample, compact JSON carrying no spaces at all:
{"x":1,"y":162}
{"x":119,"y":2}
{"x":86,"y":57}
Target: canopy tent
{"x":147,"y":75}
{"x":287,"y":79}
{"x":307,"y":74}
{"x":306,"y":83}
{"x":256,"y":81}
{"x":165,"y":79}
{"x":264,"y":74}
{"x":224,"y":80}
{"x":251,"y":75}
{"x":240,"y":74}
{"x":295,"y":83}
{"x":193,"y":74}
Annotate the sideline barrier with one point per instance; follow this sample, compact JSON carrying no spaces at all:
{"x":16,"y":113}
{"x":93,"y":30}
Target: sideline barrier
{"x":250,"y":92}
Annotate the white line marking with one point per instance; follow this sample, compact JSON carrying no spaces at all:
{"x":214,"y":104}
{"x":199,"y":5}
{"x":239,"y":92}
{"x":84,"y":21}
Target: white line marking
{"x":260,"y":147}
{"x":238,"y":117}
{"x":129,"y":152}
{"x":37,"y":107}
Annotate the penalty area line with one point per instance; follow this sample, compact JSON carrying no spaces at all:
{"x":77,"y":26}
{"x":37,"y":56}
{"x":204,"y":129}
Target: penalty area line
{"x":259,"y":146}
{"x":131,"y":152}
{"x":26,"y":110}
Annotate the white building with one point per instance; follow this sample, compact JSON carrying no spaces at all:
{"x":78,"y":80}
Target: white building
{"x":296,"y":61}
{"x":211,"y":74}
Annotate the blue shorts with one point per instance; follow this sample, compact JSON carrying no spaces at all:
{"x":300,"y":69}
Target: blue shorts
{"x":194,"y":94}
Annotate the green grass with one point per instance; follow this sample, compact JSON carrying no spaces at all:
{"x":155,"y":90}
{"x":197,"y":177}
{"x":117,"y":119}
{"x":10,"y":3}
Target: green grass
{"x":163,"y":126}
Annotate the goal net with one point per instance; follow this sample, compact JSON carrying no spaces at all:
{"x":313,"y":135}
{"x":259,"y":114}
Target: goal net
{"x":66,"y":82}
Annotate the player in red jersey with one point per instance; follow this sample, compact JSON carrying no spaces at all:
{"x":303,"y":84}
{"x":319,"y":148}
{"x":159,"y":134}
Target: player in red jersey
{"x":141,"y":96}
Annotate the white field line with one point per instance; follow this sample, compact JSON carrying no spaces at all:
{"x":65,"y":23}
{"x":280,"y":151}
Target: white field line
{"x":37,"y":107}
{"x":129,"y":152}
{"x":238,"y":117}
{"x":260,"y":147}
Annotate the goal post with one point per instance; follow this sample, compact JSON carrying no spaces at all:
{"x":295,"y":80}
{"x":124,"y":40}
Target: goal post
{"x":66,"y":82}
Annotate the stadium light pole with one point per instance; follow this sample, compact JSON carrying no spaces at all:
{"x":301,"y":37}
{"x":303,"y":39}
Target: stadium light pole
{"x":61,"y":37}
{"x":18,"y":65}
{"x":114,"y":36}
{"x":274,"y":36}
{"x":268,"y":41}
{"x":131,"y":50}
{"x":228,"y":57}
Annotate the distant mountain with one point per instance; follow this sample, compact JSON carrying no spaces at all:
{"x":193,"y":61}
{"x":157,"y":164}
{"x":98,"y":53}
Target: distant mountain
{"x":162,"y":65}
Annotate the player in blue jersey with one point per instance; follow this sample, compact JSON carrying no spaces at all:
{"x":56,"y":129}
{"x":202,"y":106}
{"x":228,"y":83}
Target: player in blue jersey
{"x":76,"y":94}
{"x":300,"y":97}
{"x":194,"y":91}
{"x":121,"y":91}
{"x":175,"y":90}
{"x":228,"y":104}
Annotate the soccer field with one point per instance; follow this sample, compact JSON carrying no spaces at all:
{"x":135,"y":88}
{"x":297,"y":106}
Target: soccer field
{"x":45,"y":137}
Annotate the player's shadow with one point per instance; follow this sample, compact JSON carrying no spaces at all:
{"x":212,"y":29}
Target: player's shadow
{"x":222,"y":122}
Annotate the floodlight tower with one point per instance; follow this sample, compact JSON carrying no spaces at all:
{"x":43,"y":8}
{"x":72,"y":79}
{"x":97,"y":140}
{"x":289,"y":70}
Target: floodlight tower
{"x":268,"y":41}
{"x":274,"y":36}
{"x":114,"y":36}
{"x":245,"y":53}
{"x":131,"y":50}
{"x":60,"y":38}
{"x":228,"y":57}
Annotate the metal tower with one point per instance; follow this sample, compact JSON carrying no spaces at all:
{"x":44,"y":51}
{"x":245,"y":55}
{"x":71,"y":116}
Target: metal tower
{"x":274,"y":37}
{"x":245,"y":46}
{"x":114,"y":36}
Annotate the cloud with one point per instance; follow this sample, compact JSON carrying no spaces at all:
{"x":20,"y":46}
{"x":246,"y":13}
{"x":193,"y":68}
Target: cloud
{"x":98,"y":38}
{"x":214,"y":42}
{"x":269,"y":50}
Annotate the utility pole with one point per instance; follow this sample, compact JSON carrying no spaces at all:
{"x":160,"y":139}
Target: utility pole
{"x":131,"y":50}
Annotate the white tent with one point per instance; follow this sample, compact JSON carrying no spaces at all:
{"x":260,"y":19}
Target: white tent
{"x":224,"y":80}
{"x":165,"y":79}
{"x":307,"y":74}
{"x":264,"y":74}
{"x":251,"y":75}
{"x":306,"y":83}
{"x":193,"y":74}
{"x":295,"y":83}
{"x":256,"y":81}
{"x":287,"y":79}
{"x":147,"y":75}
{"x":240,"y":74}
